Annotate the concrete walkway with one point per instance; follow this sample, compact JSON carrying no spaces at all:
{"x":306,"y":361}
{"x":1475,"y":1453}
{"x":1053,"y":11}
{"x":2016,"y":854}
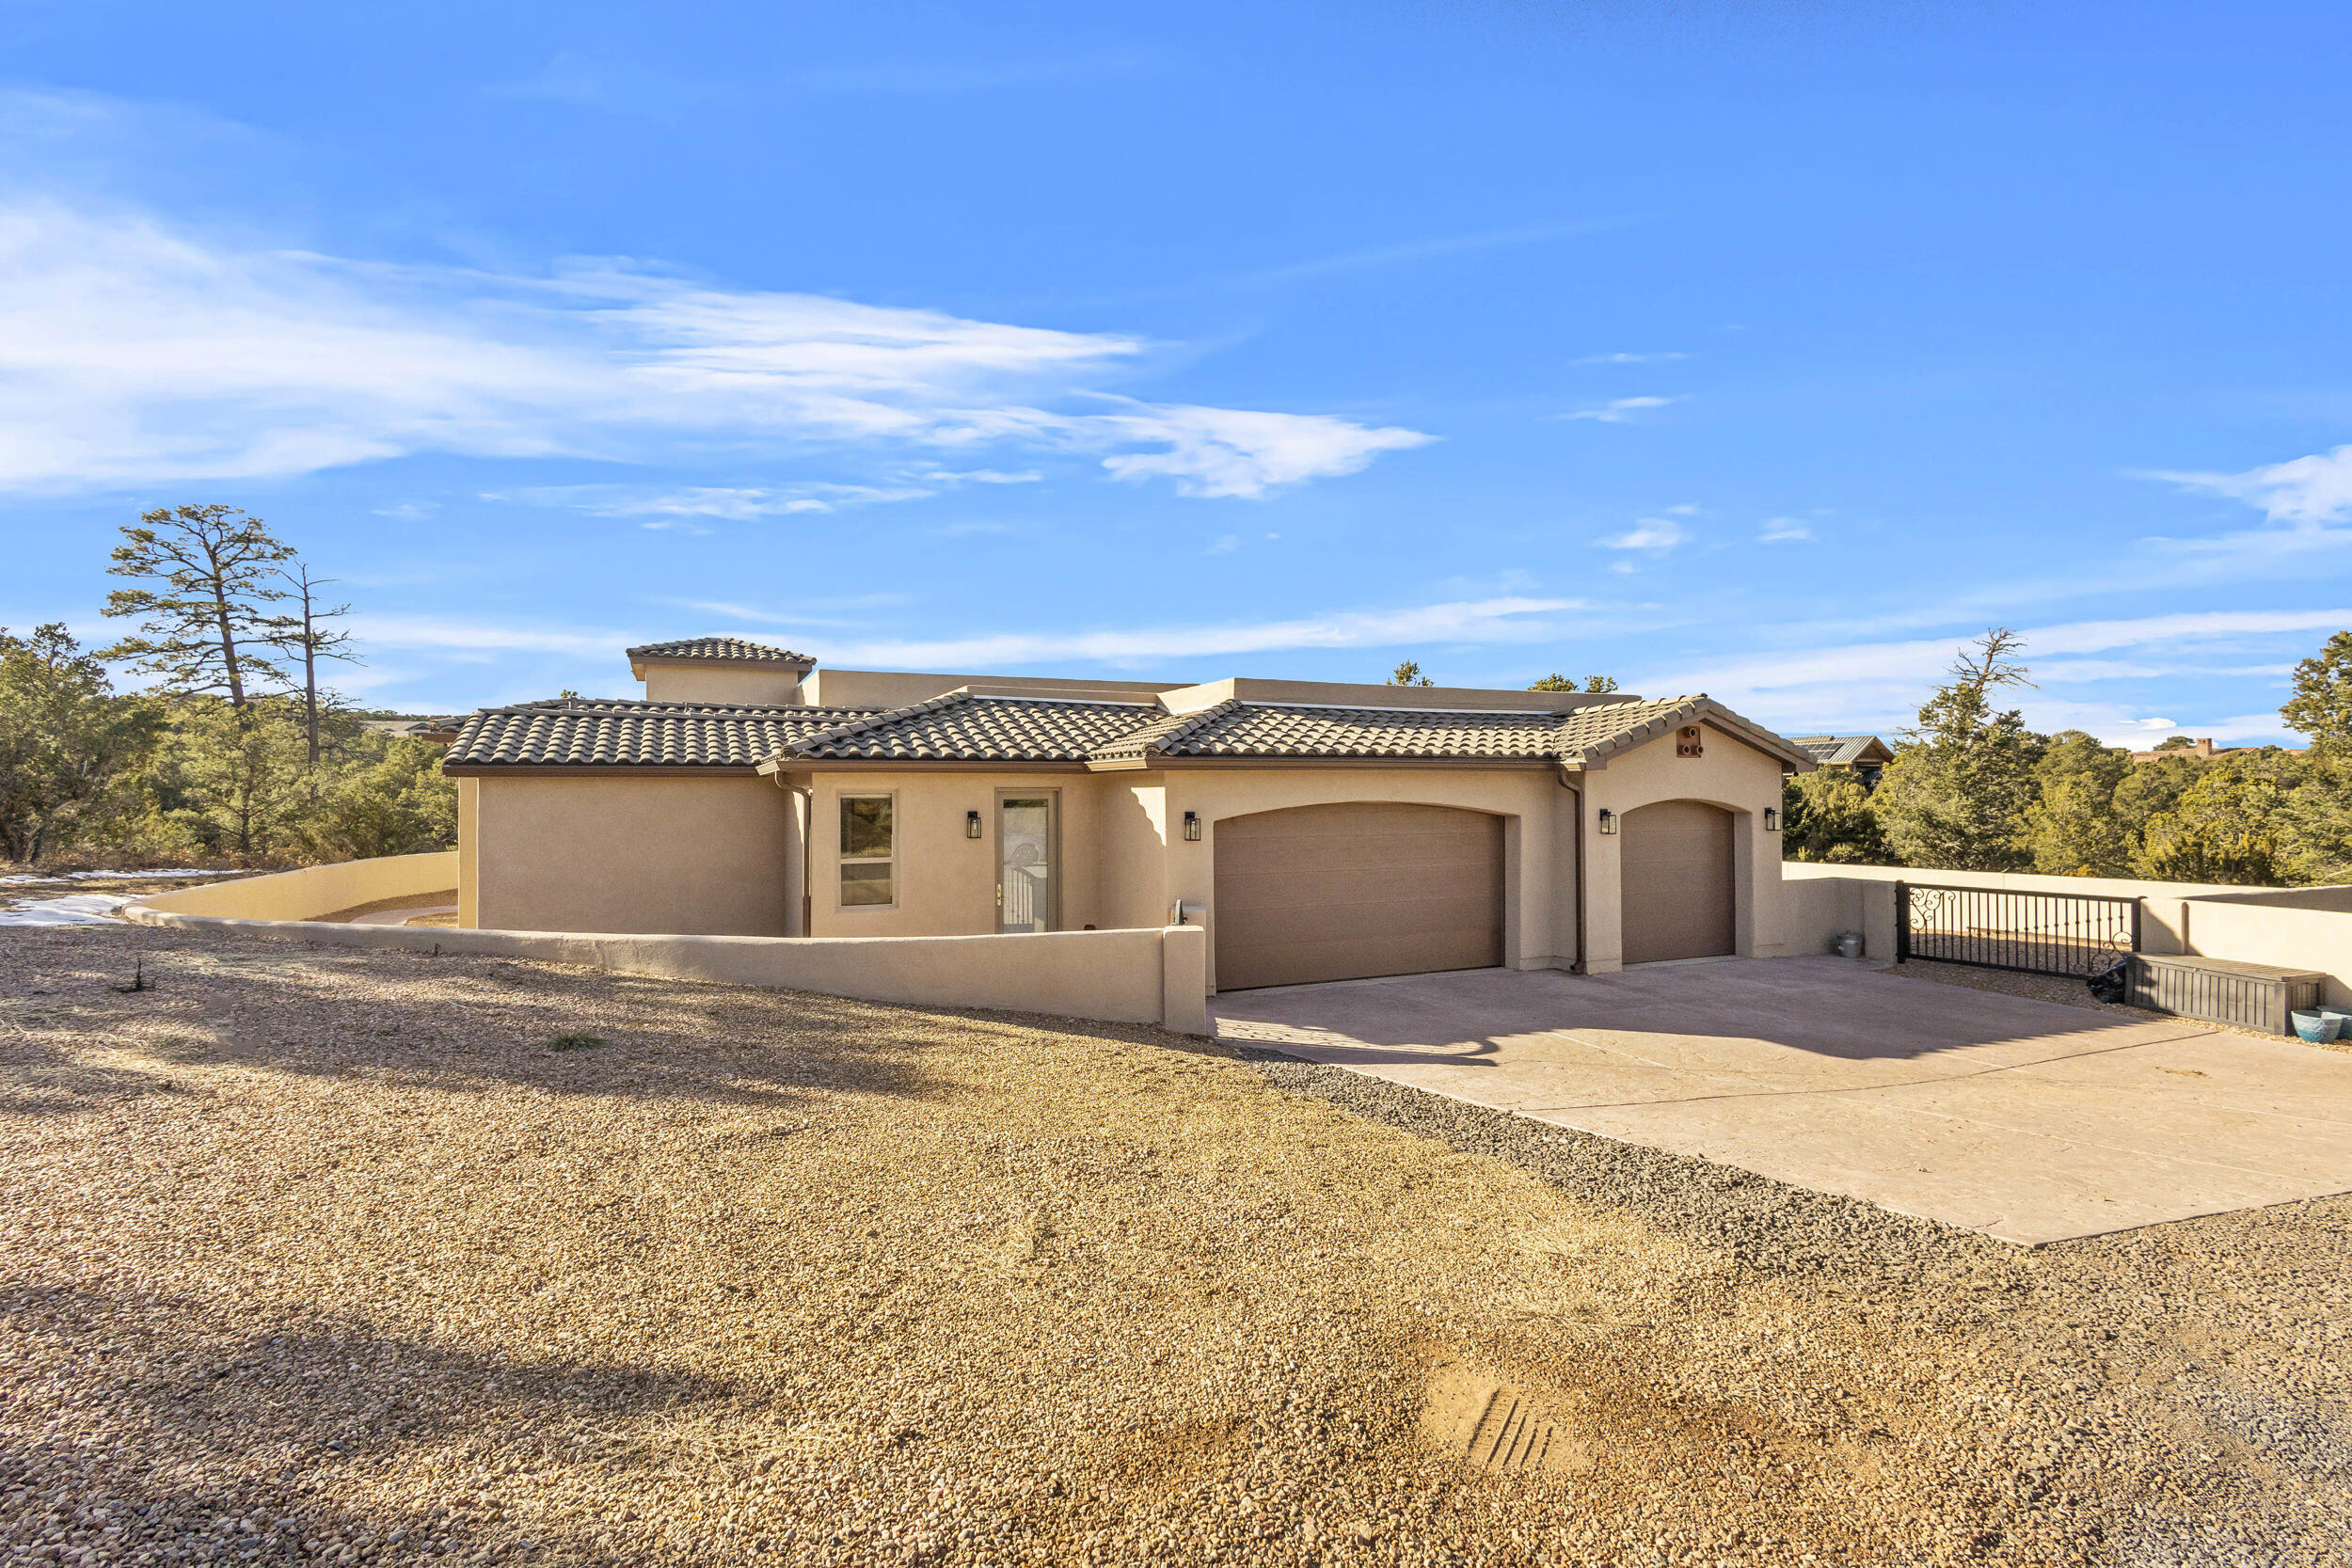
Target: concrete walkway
{"x":2025,"y":1120}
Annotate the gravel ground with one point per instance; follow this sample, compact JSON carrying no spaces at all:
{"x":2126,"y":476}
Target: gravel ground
{"x":309,"y":1255}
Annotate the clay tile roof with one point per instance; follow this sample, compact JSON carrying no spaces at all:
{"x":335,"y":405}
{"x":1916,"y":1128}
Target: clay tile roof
{"x":961,"y":726}
{"x":597,"y":732}
{"x":720,"y":650}
{"x":1275,"y":730}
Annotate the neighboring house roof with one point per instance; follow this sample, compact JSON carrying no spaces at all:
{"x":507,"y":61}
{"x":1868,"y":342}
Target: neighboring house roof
{"x":963,"y":726}
{"x":719,"y":650}
{"x":610,"y":733}
{"x":1840,"y":750}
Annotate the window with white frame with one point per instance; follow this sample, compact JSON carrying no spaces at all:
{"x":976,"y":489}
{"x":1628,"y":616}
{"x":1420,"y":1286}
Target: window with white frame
{"x":868,"y":860}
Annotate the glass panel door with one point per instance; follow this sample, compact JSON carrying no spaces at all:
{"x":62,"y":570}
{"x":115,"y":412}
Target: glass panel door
{"x":1026,"y":897}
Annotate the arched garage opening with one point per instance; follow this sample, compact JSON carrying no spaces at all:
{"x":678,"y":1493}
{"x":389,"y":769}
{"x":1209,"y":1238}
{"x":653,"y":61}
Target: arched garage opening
{"x":1348,"y":890}
{"x":1675,"y":875}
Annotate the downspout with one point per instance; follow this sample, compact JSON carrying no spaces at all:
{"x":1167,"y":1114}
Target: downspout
{"x":1578,"y":790}
{"x":808,"y":851}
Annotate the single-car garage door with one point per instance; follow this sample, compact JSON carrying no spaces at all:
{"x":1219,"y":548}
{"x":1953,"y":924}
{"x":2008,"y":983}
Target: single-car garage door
{"x":1674,"y":866}
{"x":1343,"y":891}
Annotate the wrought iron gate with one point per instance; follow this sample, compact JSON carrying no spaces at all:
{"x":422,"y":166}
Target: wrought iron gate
{"x":2040,"y":933}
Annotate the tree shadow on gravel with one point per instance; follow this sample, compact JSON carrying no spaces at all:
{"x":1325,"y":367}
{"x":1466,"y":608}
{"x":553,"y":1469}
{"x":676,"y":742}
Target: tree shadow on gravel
{"x":176,"y":1421}
{"x":431,"y":1022}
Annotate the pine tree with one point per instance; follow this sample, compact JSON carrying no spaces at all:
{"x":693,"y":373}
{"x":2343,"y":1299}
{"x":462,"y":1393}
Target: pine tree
{"x":309,"y":638}
{"x":1956,"y":794}
{"x":210,"y":629}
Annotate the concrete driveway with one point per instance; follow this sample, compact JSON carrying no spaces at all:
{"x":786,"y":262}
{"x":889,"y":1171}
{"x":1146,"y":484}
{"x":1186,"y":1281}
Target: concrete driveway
{"x":2025,"y":1120}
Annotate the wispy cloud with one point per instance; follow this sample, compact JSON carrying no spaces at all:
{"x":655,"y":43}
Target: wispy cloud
{"x":1879,"y":684}
{"x":1783,"y":531}
{"x":2305,"y":492}
{"x":1629,"y":359}
{"x":1618,"y":410}
{"x":613,"y":85}
{"x":1224,"y":544}
{"x":1647,"y":533}
{"x":1501,"y":620}
{"x":913,"y":78}
{"x":733,"y":504}
{"x":1505,"y":620}
{"x":135,"y":353}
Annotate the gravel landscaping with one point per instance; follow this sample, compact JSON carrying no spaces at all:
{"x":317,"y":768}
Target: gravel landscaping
{"x":337,"y":1255}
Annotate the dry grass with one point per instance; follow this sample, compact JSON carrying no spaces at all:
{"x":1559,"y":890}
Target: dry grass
{"x":322,"y":1254}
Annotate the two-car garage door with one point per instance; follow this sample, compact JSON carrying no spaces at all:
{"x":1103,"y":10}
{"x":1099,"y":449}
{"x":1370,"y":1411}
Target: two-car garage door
{"x":1345,"y":892}
{"x":1351,"y":891}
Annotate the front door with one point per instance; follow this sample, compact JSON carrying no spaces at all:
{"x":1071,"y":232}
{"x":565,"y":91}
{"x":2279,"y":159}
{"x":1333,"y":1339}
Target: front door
{"x":1028,"y":893}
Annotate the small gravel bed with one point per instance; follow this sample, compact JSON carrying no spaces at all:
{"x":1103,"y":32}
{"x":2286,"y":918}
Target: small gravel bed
{"x":324,"y":1256}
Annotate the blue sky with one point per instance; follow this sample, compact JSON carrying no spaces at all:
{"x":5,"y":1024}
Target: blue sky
{"x":1763,"y":350}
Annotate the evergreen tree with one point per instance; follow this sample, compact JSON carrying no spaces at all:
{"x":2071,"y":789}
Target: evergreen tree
{"x":1956,"y":794}
{"x":310,"y":637}
{"x":1827,"y":816}
{"x":1408,"y":673}
{"x":68,"y":744}
{"x":2071,"y":829}
{"x":2228,"y":826}
{"x":2322,"y":705}
{"x":211,"y":628}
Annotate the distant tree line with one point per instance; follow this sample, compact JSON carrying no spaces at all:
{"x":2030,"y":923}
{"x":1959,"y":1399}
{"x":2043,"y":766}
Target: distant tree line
{"x":236,"y":752}
{"x":1971,"y":788}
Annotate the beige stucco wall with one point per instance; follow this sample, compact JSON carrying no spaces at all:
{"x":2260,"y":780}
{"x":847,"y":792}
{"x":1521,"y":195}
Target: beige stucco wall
{"x":717,"y":683}
{"x":1731,"y":775}
{"x":1147,"y":976}
{"x":469,"y":851}
{"x":1538,"y":913}
{"x":2292,"y":927}
{"x":314,"y":889}
{"x":696,"y":856}
{"x":945,"y":883}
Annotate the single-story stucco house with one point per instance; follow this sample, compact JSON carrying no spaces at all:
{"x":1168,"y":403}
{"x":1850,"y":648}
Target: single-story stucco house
{"x":1319,"y":830}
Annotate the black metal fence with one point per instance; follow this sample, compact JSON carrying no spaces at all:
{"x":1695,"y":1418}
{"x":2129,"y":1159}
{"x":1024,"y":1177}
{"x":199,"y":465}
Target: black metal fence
{"x":2040,"y":933}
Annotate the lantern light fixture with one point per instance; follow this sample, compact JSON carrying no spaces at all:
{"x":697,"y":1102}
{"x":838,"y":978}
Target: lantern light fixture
{"x":1771,"y":819}
{"x":971,"y":824}
{"x":1607,"y":820}
{"x":1192,"y":827}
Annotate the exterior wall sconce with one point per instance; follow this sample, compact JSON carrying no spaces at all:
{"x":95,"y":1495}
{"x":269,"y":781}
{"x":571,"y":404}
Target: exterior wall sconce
{"x":1192,"y":827}
{"x":1608,"y":821}
{"x":971,"y":824}
{"x":1771,"y":819}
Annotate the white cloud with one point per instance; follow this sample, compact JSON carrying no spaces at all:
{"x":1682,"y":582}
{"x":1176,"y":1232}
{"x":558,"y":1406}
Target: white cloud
{"x":614,"y":86}
{"x":1647,"y":533}
{"x":1783,"y":531}
{"x":133,"y":353}
{"x":1494,"y":620}
{"x":735,"y":503}
{"x":1225,"y":544}
{"x":1879,"y":686}
{"x":1501,"y":620}
{"x":1233,"y":451}
{"x":1618,"y":410}
{"x":2306,"y":492}
{"x":1629,"y":359}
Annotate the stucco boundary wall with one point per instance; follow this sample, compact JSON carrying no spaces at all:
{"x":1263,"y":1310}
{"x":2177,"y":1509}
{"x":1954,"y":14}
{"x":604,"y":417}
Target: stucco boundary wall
{"x":2299,"y":928}
{"x":1143,"y":975}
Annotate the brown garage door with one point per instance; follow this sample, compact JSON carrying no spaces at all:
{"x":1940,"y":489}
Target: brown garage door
{"x":1675,"y":865}
{"x":1343,"y":891}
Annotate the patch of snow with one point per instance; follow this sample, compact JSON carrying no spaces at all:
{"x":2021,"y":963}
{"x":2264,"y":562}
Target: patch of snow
{"x":71,"y":909}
